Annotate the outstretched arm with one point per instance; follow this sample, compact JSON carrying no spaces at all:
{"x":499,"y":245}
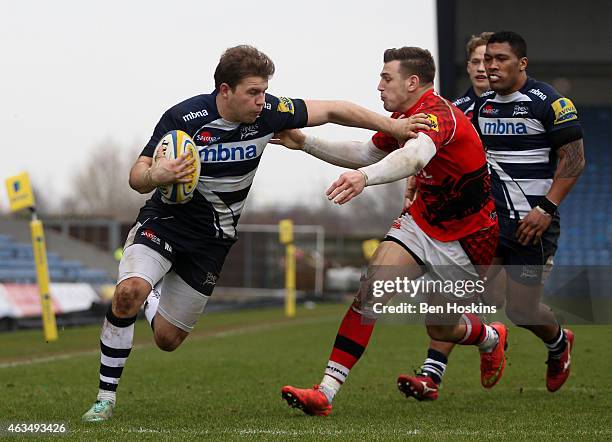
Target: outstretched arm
{"x":350,"y":154}
{"x":346,"y":113}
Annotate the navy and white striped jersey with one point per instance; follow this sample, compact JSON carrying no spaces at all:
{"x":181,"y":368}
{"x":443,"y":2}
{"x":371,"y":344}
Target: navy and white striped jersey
{"x":521,"y":133}
{"x":229,"y":154}
{"x":466,"y":102}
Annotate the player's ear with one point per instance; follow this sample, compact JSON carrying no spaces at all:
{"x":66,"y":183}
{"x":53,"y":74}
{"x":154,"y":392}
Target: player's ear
{"x":224,"y":90}
{"x":523,"y":64}
{"x":413,"y":83}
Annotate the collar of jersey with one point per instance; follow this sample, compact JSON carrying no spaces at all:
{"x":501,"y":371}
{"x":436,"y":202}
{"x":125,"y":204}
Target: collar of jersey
{"x":426,"y":95}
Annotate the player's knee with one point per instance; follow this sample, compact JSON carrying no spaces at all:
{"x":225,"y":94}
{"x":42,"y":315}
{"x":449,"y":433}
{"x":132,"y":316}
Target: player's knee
{"x":168,"y":342}
{"x":128,"y":296}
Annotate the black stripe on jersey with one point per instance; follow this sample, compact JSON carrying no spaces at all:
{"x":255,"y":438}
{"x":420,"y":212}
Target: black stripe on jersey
{"x":114,"y":352}
{"x":349,"y":346}
{"x":233,"y":197}
{"x":110,"y":372}
{"x":230,"y":168}
{"x":517,"y":142}
{"x":535,"y":171}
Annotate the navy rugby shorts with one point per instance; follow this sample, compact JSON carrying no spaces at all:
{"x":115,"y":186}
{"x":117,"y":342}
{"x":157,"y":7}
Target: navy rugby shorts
{"x":196,"y":259}
{"x":525,"y":264}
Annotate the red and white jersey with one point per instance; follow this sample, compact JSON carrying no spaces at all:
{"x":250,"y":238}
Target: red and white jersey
{"x":454,"y":189}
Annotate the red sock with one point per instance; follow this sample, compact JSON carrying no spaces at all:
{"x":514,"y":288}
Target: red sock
{"x":475,"y":331}
{"x":351,"y":341}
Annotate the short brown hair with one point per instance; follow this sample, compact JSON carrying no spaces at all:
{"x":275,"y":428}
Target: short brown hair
{"x":477,"y":40}
{"x":413,"y":61}
{"x":240,"y":62}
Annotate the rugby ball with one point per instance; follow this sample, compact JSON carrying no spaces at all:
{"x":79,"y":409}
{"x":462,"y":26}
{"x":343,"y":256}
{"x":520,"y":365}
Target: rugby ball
{"x":172,"y":146}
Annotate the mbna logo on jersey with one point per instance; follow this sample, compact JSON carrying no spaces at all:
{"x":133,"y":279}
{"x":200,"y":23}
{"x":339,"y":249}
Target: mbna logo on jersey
{"x":564,"y":110}
{"x":503,"y":127}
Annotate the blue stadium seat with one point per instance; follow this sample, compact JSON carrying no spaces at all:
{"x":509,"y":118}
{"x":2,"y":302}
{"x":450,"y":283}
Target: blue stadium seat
{"x":17,"y":265}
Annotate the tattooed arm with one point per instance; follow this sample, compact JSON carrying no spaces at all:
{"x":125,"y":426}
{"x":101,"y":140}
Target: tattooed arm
{"x":569,"y":168}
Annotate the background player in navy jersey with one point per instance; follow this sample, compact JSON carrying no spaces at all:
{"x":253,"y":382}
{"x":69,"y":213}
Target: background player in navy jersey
{"x":449,"y":234}
{"x":535,"y":152}
{"x":475,"y":49}
{"x":423,"y":385}
{"x":174,"y":253}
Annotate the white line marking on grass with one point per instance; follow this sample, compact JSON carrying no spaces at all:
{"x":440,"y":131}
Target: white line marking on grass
{"x":196,"y":337}
{"x":364,"y":433}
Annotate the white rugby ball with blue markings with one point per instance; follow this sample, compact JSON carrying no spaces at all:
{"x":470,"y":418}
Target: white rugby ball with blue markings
{"x":173,"y":145}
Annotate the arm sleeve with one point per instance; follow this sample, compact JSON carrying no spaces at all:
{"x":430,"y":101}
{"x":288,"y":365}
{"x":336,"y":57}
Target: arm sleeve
{"x":287,"y":113}
{"x":560,"y":119}
{"x":165,"y":125}
{"x":351,"y":154}
{"x":401,"y":163}
{"x":443,"y":124}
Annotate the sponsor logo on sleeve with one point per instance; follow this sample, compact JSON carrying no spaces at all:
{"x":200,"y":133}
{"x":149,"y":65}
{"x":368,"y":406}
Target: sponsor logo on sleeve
{"x":433,"y":120}
{"x":564,"y":110}
{"x":461,"y":100}
{"x":285,"y":105}
{"x":538,"y":93}
{"x":193,"y":115}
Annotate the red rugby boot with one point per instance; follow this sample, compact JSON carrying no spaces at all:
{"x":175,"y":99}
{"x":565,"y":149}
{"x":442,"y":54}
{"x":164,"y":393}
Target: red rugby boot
{"x":311,"y":401}
{"x":420,"y":387}
{"x":559,"y":368}
{"x":492,"y":364}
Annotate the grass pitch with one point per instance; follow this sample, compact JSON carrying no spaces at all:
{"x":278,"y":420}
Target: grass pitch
{"x":224,"y":383}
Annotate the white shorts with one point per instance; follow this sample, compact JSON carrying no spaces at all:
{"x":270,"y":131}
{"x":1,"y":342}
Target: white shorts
{"x":179,"y":303}
{"x":446,"y":261}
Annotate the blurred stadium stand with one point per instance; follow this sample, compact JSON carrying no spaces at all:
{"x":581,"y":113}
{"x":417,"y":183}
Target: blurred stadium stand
{"x":17,"y":265}
{"x":586,"y":214}
{"x":59,"y":247}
